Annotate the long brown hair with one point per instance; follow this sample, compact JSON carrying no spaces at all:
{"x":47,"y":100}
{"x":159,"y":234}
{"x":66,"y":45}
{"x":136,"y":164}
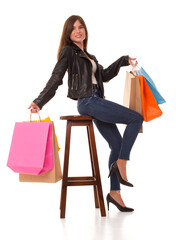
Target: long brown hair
{"x":67,"y":29}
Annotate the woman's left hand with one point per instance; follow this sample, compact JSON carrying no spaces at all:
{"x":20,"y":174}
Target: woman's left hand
{"x":133,"y":62}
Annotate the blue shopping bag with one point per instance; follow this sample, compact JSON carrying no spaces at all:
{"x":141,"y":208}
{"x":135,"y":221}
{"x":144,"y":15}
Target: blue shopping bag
{"x":152,"y":85}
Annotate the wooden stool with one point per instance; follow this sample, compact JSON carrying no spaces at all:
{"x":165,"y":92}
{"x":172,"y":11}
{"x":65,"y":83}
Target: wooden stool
{"x":95,"y":180}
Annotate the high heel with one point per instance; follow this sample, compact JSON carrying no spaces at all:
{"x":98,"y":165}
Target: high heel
{"x":114,"y":168}
{"x":120,"y":207}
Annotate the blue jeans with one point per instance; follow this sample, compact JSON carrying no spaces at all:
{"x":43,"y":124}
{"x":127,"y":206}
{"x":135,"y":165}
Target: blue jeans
{"x":107,"y":114}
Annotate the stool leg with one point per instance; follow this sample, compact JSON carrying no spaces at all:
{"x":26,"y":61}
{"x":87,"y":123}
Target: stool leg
{"x":93,"y":171}
{"x":96,"y":166}
{"x":65,"y":171}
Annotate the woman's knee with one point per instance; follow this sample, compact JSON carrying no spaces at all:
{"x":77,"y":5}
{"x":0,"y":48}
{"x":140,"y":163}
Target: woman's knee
{"x":139,"y":118}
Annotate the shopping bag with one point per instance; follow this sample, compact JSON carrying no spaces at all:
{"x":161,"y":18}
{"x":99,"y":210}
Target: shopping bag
{"x":132,"y":94}
{"x":45,"y":120}
{"x":150,"y":108}
{"x":53,"y":175}
{"x":31,"y":149}
{"x":152,"y":85}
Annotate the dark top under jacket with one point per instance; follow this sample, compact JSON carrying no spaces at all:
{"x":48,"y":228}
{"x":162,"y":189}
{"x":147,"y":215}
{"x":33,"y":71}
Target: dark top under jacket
{"x":79,"y":67}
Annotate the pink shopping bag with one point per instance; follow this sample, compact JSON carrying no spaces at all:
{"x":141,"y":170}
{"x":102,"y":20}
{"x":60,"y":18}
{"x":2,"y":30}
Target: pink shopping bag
{"x":31,"y":150}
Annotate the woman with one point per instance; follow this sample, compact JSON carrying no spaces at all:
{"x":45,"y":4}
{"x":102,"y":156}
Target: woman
{"x":85,"y":84}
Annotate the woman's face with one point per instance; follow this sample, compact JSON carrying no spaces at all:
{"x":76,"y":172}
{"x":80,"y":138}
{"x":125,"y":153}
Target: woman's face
{"x":78,"y":34}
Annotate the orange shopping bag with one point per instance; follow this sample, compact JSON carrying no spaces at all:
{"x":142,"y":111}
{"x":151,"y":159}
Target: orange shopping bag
{"x":150,"y":108}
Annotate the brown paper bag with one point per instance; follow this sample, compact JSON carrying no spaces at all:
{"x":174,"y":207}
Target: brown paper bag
{"x":52,"y":176}
{"x":132,"y":94}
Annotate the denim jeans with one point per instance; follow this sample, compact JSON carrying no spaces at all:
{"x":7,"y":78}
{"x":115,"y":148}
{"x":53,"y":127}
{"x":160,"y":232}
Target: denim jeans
{"x":107,"y":114}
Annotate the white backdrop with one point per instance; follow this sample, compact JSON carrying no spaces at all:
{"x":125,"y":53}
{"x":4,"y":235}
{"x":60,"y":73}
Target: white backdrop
{"x":30,"y":35}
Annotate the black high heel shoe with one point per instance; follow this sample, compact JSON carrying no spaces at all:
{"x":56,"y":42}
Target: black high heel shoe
{"x":114,"y":168}
{"x":121,"y":208}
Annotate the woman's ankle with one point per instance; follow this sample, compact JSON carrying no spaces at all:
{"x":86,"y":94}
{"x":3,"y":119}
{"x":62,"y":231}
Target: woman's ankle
{"x":114,"y":192}
{"x":121,"y":162}
{"x":117,"y":197}
{"x":122,"y":168}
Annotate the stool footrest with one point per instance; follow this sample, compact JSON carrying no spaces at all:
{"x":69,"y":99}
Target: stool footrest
{"x":81,"y":181}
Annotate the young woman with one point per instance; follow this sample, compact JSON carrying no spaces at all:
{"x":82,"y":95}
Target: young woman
{"x":85,"y":84}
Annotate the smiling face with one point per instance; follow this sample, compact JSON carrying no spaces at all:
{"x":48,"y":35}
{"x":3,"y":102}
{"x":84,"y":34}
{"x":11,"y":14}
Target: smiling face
{"x":78,"y":33}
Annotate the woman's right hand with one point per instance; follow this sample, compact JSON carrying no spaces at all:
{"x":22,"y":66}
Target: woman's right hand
{"x":34,"y":108}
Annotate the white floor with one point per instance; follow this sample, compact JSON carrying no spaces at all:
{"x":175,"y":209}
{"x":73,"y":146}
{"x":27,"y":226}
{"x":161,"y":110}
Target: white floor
{"x":32,"y":212}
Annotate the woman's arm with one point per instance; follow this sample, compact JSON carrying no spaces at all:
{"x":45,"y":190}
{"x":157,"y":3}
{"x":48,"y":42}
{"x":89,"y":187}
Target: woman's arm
{"x":113,"y":69}
{"x":53,"y":83}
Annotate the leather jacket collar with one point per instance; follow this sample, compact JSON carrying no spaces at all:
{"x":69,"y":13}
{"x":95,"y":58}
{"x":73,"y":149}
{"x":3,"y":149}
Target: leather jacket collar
{"x":81,"y":53}
{"x":75,"y":47}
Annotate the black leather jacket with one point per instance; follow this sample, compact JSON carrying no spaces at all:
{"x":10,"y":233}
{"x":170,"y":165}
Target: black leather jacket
{"x":79,"y":67}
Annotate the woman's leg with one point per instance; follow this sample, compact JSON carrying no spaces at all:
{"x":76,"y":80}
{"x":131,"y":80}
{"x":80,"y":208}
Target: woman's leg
{"x":111,"y":134}
{"x":110,"y":112}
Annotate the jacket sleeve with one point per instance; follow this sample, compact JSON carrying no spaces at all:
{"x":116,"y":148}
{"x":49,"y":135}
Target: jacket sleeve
{"x":113,"y":69}
{"x":55,"y":79}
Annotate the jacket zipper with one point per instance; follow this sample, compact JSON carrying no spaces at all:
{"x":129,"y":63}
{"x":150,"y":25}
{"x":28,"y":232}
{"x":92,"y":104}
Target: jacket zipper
{"x":74,"y":81}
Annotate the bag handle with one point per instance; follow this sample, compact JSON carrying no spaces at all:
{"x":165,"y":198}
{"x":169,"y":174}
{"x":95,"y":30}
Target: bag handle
{"x":38,"y":116}
{"x":136,"y":68}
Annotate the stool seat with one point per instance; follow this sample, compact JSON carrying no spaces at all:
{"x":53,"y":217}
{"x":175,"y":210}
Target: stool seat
{"x":77,"y":117}
{"x":94,"y":180}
